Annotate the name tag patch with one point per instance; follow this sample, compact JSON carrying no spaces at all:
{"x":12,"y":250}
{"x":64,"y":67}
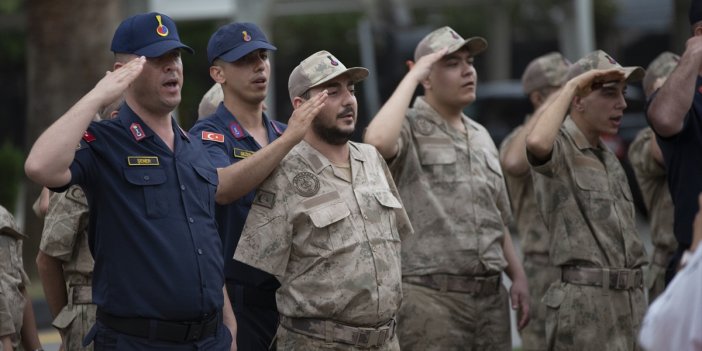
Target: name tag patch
{"x":142,"y":160}
{"x":241,"y":153}
{"x":264,"y":198}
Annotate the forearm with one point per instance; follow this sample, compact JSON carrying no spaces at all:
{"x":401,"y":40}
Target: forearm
{"x":384,"y":130}
{"x":513,"y":154}
{"x":237,"y":180}
{"x":514,"y":270}
{"x":50,"y":157}
{"x":228,"y":317}
{"x":539,"y":141}
{"x":51,"y":275}
{"x":667,"y":110}
{"x":30,"y":338}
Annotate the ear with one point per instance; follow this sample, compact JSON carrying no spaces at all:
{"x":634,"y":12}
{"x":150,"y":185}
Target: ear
{"x":536,"y":99}
{"x":698,"y":30}
{"x":577,"y":104}
{"x":117,"y":65}
{"x":426,"y":83}
{"x":297,"y":101}
{"x":217,"y":74}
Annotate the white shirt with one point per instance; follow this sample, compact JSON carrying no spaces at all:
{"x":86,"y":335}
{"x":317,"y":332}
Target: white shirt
{"x":674,"y":319}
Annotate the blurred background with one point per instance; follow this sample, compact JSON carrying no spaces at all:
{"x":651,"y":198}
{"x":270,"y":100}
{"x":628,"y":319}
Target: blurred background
{"x":53,"y":52}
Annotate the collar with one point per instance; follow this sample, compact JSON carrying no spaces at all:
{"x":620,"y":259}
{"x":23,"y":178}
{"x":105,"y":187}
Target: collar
{"x":140,"y":130}
{"x":235,"y":128}
{"x":318,"y":162}
{"x":428,"y":112}
{"x":578,"y":137}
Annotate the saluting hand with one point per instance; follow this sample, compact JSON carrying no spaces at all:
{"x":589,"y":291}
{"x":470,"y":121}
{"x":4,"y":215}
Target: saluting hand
{"x":302,"y":117}
{"x":113,"y":84}
{"x":594,"y":79}
{"x":420,"y":70}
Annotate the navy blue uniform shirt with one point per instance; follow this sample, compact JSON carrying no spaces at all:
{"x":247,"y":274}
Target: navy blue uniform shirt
{"x":152,"y":229}
{"x":227,"y":143}
{"x":682,"y":154}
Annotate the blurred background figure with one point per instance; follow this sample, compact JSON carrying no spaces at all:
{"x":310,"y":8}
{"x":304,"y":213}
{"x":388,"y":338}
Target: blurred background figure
{"x":647,"y":162}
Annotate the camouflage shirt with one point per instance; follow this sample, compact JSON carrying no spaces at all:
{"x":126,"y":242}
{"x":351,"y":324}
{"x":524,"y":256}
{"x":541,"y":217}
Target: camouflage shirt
{"x":334,"y":245}
{"x":451,"y":184}
{"x":534,"y":236}
{"x":585,"y":200}
{"x":65,"y":235}
{"x":652,"y":181}
{"x":13,"y":278}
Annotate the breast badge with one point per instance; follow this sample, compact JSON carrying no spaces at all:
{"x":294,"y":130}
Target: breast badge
{"x":306,"y":184}
{"x":423,"y":126}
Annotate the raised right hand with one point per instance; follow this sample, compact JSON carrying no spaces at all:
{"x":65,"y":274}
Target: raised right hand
{"x":302,"y":117}
{"x":113,"y":84}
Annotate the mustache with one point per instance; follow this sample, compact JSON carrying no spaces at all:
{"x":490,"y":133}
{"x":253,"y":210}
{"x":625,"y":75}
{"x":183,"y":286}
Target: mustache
{"x":345,"y":111}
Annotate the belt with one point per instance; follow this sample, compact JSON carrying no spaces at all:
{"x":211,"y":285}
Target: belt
{"x":617,"y":278}
{"x":476,"y":285}
{"x":330,"y":331}
{"x":81,"y":294}
{"x":160,"y":330}
{"x":538,"y":258}
{"x":661,"y":257}
{"x":247,"y":295}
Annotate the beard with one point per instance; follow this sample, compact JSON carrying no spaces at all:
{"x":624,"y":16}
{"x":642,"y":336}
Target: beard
{"x":331,"y":134}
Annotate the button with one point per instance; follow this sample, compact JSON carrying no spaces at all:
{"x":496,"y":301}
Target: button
{"x":182,"y":187}
{"x":199,"y":251}
{"x":365,"y":216}
{"x":191,"y":220}
{"x":146,"y":177}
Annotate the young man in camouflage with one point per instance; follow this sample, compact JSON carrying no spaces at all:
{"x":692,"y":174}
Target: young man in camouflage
{"x":585,"y":200}
{"x":647,"y":161}
{"x":328,"y":223}
{"x":542,"y":77}
{"x":447,"y":170}
{"x":17,"y":327}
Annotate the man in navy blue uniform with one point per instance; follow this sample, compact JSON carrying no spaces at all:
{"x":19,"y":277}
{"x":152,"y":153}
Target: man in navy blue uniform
{"x":675,"y":114}
{"x":240,"y":132}
{"x":159,"y":274}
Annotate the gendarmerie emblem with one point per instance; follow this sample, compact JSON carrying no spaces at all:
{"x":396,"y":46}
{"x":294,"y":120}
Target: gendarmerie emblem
{"x":306,"y":184}
{"x":423,"y":126}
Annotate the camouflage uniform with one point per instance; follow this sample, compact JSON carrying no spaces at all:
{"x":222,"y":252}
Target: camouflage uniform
{"x":651,"y":177}
{"x":332,"y":242}
{"x":65,"y":237}
{"x":585,"y":200}
{"x":13,"y":279}
{"x":451,"y":184}
{"x":535,"y":240}
{"x":545,"y":72}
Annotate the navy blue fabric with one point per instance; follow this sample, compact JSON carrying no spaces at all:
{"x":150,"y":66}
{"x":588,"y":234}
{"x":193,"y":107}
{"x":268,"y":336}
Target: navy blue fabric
{"x":152,"y":229}
{"x":235,"y":40}
{"x":231,"y":218}
{"x":683,"y":161}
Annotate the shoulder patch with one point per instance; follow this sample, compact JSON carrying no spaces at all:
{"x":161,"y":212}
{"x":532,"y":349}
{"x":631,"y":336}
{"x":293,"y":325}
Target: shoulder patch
{"x":264,"y":198}
{"x":212,"y":136}
{"x":423,"y":126}
{"x":76,"y":194}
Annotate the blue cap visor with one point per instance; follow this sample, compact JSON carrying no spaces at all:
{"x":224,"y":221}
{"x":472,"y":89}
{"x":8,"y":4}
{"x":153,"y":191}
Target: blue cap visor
{"x":243,"y":50}
{"x":161,"y":47}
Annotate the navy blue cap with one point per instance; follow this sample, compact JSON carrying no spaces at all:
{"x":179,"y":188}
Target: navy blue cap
{"x":695,"y":11}
{"x":147,"y":34}
{"x":235,"y":40}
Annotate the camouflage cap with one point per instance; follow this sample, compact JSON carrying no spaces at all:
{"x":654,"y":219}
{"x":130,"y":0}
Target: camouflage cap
{"x":660,"y":67}
{"x":545,"y":71}
{"x":8,"y":225}
{"x":320,"y":68}
{"x":210,"y":101}
{"x":445,"y":37}
{"x":601,"y":60}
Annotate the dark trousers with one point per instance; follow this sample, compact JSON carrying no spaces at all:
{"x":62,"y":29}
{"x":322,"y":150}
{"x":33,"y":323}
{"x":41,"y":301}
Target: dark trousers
{"x":256,"y":317}
{"x":106,"y":339}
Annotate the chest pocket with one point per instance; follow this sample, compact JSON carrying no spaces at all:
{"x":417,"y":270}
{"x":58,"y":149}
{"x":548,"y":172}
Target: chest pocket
{"x":328,"y":233}
{"x":438,"y":157}
{"x":592,"y":187}
{"x":151,"y":182}
{"x":208,"y":188}
{"x":388,"y":203}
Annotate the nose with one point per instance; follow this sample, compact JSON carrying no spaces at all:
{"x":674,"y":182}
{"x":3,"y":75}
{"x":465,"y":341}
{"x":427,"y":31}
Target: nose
{"x":621,"y":102}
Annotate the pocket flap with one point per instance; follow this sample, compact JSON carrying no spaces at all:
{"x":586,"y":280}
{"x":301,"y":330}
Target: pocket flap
{"x":143,"y":176}
{"x":210,"y":175}
{"x":328,"y":214}
{"x":554,"y":296}
{"x":64,"y":318}
{"x":387,"y":199}
{"x":493,"y":164}
{"x":436,"y":151}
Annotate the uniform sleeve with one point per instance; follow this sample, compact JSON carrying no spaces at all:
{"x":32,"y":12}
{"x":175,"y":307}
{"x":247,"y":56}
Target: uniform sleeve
{"x":66,"y":219}
{"x":7,"y":325}
{"x":650,"y":175}
{"x":404,"y":226}
{"x":217,"y":151}
{"x":553,"y":165}
{"x":404,"y":144}
{"x":266,"y":239}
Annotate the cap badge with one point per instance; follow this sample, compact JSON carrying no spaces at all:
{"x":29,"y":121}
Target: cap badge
{"x":332,"y":61}
{"x":454,"y":35}
{"x":161,"y":29}
{"x":245,"y":35}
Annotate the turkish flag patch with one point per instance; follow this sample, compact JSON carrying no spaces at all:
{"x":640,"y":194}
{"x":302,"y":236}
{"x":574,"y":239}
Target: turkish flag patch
{"x":212,"y":136}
